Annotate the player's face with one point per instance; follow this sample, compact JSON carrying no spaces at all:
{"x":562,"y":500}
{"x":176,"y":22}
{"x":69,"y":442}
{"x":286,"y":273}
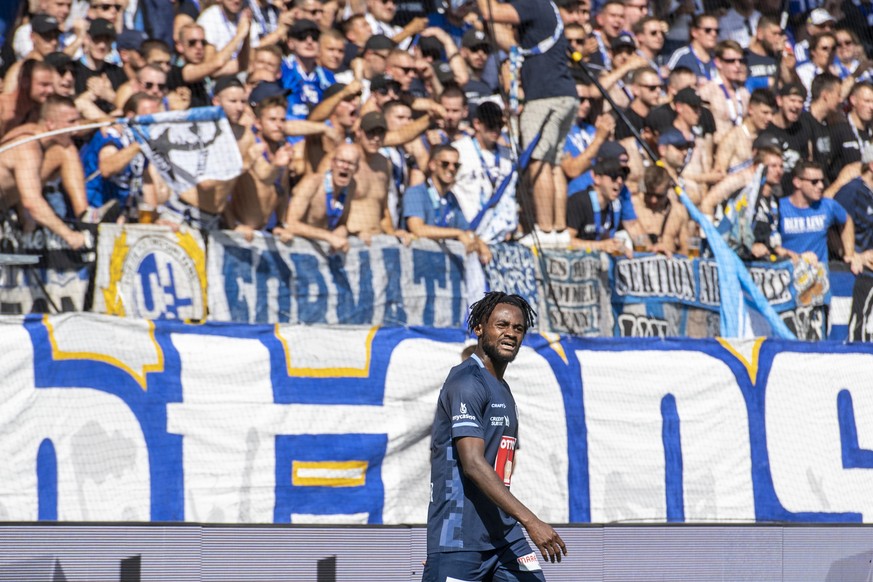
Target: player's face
{"x":455,"y":112}
{"x":810,"y":184}
{"x":270,"y":123}
{"x":233,"y":101}
{"x":501,"y":336}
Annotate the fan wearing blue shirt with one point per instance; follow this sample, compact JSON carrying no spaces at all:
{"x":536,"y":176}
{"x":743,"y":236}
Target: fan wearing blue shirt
{"x":805,"y":217}
{"x":306,"y":80}
{"x":431,"y":210}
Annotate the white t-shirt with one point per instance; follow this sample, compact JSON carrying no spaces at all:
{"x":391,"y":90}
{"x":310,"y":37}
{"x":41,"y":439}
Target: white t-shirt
{"x":474,"y":189}
{"x":219,"y":30}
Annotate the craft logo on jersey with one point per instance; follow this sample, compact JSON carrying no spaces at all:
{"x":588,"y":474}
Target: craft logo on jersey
{"x":505,"y":456}
{"x":160,"y":279}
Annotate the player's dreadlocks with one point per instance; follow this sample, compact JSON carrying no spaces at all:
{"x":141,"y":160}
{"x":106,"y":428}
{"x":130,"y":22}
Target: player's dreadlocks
{"x":481,"y":310}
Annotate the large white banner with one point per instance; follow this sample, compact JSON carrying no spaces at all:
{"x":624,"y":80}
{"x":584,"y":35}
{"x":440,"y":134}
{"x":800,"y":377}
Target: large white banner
{"x":117,"y":419}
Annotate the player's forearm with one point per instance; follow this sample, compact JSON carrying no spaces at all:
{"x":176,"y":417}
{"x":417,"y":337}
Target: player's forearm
{"x":485,"y":478}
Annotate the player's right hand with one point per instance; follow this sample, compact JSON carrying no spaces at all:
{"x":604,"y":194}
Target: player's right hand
{"x":548,"y":541}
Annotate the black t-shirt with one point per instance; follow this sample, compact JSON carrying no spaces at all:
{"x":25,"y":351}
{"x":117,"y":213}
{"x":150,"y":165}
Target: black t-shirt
{"x":199,"y":94}
{"x":661,"y":118}
{"x":547,"y":74}
{"x":796,"y":140}
{"x":822,"y":150}
{"x":846,"y":145}
{"x":582,"y":218}
{"x":114,"y":73}
{"x":621,"y":130}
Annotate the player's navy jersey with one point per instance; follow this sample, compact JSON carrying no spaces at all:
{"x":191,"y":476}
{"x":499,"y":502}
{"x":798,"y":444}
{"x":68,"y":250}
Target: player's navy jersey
{"x":472,"y":403}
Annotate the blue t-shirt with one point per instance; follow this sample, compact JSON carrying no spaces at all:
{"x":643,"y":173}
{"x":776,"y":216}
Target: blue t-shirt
{"x":472,"y":403}
{"x":684,"y":57}
{"x":857,"y":198}
{"x":433,"y":209}
{"x":119,"y":187}
{"x":806,"y":229}
{"x":547,"y":74}
{"x":307,"y":89}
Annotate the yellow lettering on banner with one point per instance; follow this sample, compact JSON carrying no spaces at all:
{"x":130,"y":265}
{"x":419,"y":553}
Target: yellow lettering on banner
{"x":186,"y":240}
{"x":750,"y":361}
{"x":140,"y":376}
{"x":111,"y":296}
{"x":329,"y":473}
{"x":328,"y":371}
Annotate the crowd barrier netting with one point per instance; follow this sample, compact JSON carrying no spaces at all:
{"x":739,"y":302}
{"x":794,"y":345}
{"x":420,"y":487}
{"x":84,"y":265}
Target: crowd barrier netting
{"x":151,"y":272}
{"x":121,"y":419}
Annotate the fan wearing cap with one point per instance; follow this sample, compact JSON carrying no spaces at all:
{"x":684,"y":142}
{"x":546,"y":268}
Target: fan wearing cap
{"x":301,"y":74}
{"x":121,"y":173}
{"x":594,"y":215}
{"x":24,"y":168}
{"x":320,"y":206}
{"x":476,"y":56}
{"x":45,"y":35}
{"x":371,"y":62}
{"x":794,"y":136}
{"x":662,"y":218}
{"x":369,"y":214}
{"x":487,"y":165}
{"x":22,"y":41}
{"x":675,"y":150}
{"x":818,"y":21}
{"x":64,"y":78}
{"x":93,"y":74}
{"x":735,"y":150}
{"x":431,"y":210}
{"x":584,"y":139}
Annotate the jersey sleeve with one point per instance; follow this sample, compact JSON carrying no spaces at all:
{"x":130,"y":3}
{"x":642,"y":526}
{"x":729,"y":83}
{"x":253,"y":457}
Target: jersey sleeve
{"x":627,"y":206}
{"x":415,"y":203}
{"x":467,"y":401}
{"x":837,"y":212}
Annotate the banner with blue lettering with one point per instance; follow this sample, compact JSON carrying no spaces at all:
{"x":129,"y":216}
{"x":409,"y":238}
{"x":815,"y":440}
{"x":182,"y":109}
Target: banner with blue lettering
{"x":267,"y":281}
{"x":122,"y":419}
{"x":151,"y":272}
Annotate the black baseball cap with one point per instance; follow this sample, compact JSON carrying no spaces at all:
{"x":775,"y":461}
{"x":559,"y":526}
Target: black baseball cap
{"x":264,"y":90}
{"x":608,"y":166}
{"x":688,"y":96}
{"x":226,"y":82}
{"x":58,"y":60}
{"x":623,"y":40}
{"x":674,"y":137}
{"x":473,"y":38}
{"x":612,"y":150}
{"x":379,"y":42}
{"x":302,"y":26}
{"x":130,"y":39}
{"x":44,"y":24}
{"x":383,"y":81}
{"x":768,"y":141}
{"x":373,"y":120}
{"x":102,"y":27}
{"x":792,"y":89}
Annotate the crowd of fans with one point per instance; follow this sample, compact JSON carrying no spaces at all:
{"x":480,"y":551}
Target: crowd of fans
{"x":366,"y":117}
